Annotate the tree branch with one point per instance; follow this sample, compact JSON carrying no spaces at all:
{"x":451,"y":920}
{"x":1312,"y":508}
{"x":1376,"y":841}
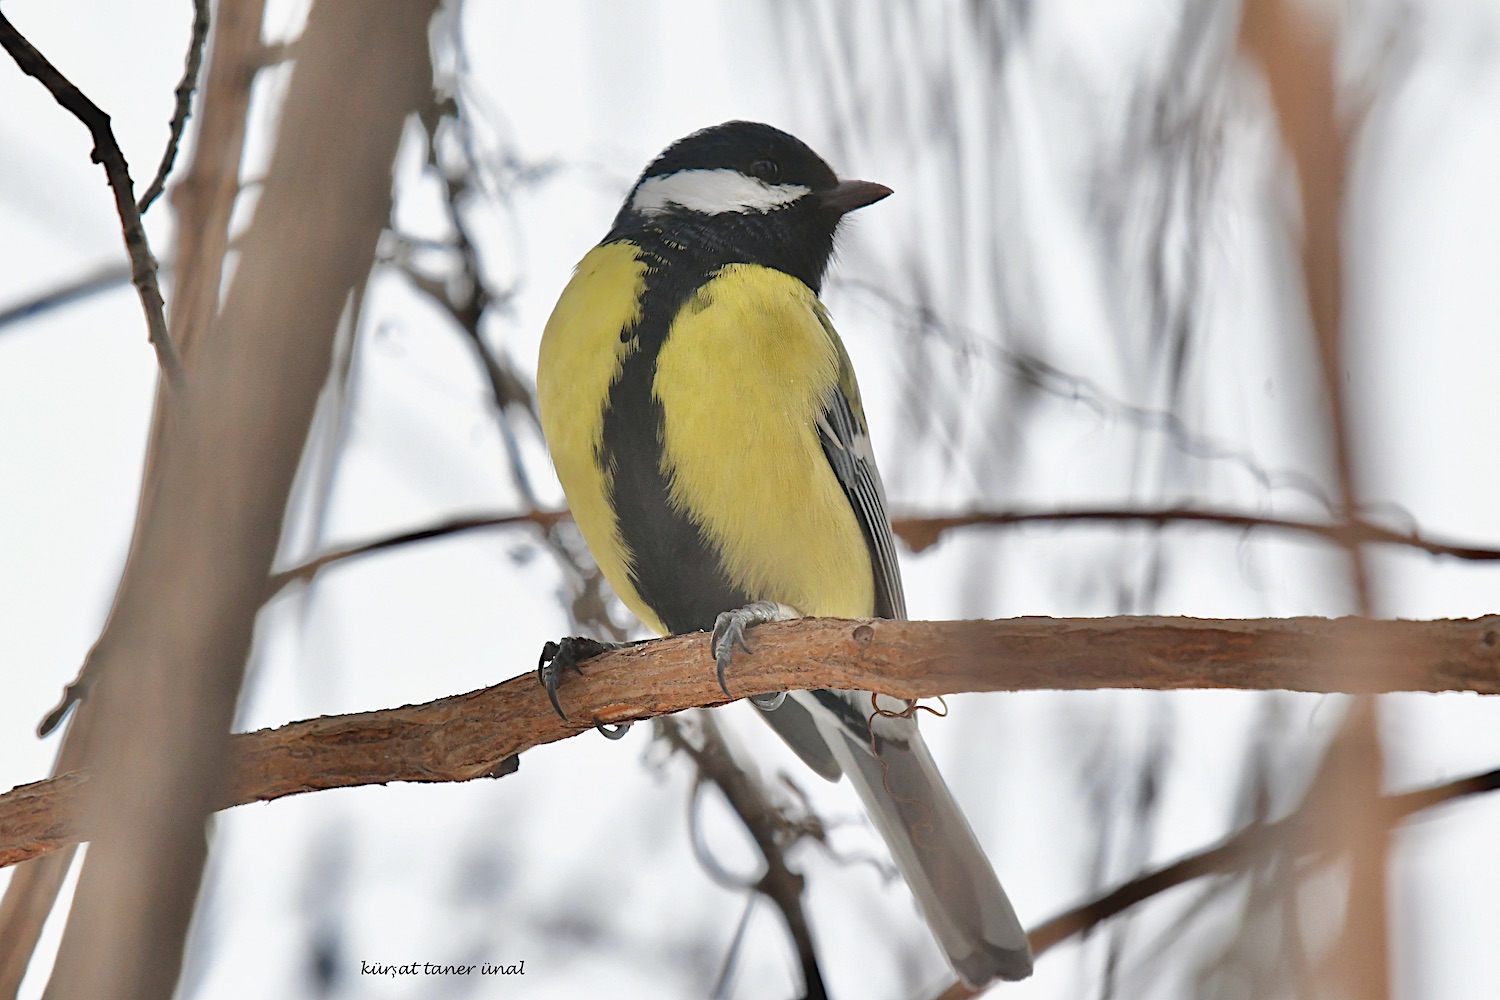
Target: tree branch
{"x":106,"y":153}
{"x":183,"y":106}
{"x":1239,"y":850}
{"x":171,"y":660}
{"x":471,"y":735}
{"x":768,"y":827}
{"x":204,"y":197}
{"x":921,"y":532}
{"x":1296,"y":49}
{"x":306,"y":571}
{"x":203,"y":200}
{"x":100,"y":279}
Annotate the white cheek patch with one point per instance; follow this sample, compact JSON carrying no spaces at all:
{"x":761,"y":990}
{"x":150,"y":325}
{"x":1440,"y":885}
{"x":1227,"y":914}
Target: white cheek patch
{"x":712,"y":192}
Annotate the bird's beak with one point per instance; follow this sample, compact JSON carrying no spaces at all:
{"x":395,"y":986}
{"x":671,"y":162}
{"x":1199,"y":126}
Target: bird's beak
{"x":846,"y":196}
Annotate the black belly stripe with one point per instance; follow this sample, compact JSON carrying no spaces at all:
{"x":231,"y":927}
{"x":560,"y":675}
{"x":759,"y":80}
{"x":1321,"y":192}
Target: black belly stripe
{"x":676,"y":570}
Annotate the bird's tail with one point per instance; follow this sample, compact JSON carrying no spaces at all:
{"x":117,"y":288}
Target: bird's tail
{"x":928,"y":836}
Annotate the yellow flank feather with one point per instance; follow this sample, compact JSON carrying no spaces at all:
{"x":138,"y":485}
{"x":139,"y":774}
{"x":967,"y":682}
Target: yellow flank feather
{"x":742,"y":378}
{"x":581,"y":356}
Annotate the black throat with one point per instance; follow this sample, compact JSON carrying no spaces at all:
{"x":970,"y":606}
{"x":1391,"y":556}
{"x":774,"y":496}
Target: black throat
{"x":796,"y":239}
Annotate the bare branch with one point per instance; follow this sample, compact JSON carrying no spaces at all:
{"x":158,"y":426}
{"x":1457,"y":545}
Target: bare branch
{"x":920,"y":532}
{"x":34,"y":887}
{"x":24,"y":911}
{"x":183,"y":107}
{"x":1235,"y":852}
{"x":171,"y":660}
{"x":1295,"y":48}
{"x":773,"y":833}
{"x":472,"y":735}
{"x":467,"y":302}
{"x":204,"y":197}
{"x":204,"y":200}
{"x":306,"y":571}
{"x":106,"y":153}
{"x":101,"y":279}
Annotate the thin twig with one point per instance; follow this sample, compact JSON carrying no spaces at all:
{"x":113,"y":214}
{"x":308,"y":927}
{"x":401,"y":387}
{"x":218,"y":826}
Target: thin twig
{"x":106,"y":153}
{"x":1061,"y":384}
{"x":101,"y":279}
{"x":184,"y":105}
{"x":468,"y":302}
{"x":1249,"y":846}
{"x":921,"y":532}
{"x":306,"y":571}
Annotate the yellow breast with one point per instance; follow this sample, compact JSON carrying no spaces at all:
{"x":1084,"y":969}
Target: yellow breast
{"x":742,"y":379}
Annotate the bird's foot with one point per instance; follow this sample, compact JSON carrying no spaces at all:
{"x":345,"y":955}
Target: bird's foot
{"x":729,"y":632}
{"x":568,"y":654}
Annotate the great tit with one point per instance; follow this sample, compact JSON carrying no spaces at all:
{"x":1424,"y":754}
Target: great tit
{"x":706,"y":427}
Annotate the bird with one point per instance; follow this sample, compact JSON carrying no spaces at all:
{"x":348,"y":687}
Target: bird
{"x":706,"y":427}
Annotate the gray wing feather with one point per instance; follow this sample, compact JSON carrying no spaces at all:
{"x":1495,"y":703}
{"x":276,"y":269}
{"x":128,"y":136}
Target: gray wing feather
{"x":846,"y":443}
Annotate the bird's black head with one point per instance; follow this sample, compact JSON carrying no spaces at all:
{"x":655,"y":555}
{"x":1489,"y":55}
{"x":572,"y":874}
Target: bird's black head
{"x":744,"y":192}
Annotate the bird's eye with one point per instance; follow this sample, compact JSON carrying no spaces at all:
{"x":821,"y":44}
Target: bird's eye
{"x":767,"y":170}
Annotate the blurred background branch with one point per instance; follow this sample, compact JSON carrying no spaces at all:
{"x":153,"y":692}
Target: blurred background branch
{"x":921,"y":532}
{"x":168,"y":669}
{"x":1295,"y":49}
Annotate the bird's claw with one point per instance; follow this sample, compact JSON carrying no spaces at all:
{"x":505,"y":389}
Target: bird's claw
{"x":729,"y":632}
{"x":611,"y":732}
{"x":559,"y":657}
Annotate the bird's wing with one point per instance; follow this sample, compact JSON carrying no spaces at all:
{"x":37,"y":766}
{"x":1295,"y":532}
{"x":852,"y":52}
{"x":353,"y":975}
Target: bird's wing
{"x":846,"y":443}
{"x":875,"y":741}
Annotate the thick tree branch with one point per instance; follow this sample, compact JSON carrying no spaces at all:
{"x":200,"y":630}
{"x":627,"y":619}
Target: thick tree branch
{"x":171,"y":660}
{"x":107,"y":154}
{"x":472,"y":735}
{"x":203,"y":200}
{"x":1296,"y":49}
{"x":204,"y":197}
